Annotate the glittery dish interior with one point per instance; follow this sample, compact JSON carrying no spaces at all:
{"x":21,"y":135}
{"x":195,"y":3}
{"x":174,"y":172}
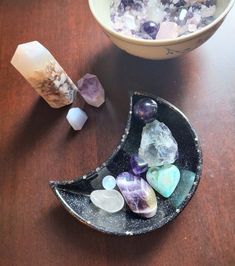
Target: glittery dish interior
{"x":75,"y":194}
{"x":160,"y":19}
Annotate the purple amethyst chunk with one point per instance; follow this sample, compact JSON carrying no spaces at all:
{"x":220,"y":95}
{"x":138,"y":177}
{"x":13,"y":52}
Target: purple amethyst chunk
{"x":151,"y":28}
{"x":138,"y":194}
{"x":146,"y":110}
{"x":210,"y":3}
{"x":91,"y":90}
{"x":138,"y":165}
{"x":166,"y":2}
{"x":126,"y":3}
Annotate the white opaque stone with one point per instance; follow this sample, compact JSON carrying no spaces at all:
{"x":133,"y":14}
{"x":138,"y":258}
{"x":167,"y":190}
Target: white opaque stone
{"x":109,"y":182}
{"x":108,"y":200}
{"x":168,"y":30}
{"x":183,"y":14}
{"x":38,"y":66}
{"x":129,"y":21}
{"x":76,"y":118}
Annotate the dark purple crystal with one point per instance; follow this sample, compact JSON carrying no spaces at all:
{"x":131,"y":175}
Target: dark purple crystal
{"x":126,"y":3}
{"x":196,"y":6}
{"x":146,"y":110}
{"x":210,"y":3}
{"x":206,"y":21}
{"x":138,"y":165}
{"x":133,"y":4}
{"x":166,"y":2}
{"x":180,"y":3}
{"x":151,"y":28}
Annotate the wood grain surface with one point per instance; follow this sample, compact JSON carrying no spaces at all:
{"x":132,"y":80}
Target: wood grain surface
{"x":37,"y":144}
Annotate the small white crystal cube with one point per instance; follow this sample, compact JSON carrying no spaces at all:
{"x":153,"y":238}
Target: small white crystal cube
{"x":76,"y":118}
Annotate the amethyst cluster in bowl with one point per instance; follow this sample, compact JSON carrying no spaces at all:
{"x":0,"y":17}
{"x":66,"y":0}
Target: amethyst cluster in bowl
{"x":161,"y":19}
{"x":74,"y":194}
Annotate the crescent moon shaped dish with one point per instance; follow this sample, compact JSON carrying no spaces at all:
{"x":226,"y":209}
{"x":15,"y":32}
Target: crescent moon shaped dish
{"x":75,"y":194}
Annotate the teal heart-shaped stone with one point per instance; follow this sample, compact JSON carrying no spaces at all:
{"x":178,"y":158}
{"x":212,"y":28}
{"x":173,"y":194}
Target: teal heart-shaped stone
{"x":164,"y":179}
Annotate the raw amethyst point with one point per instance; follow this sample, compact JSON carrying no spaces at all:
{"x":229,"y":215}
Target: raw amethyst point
{"x":146,"y":110}
{"x":91,"y":90}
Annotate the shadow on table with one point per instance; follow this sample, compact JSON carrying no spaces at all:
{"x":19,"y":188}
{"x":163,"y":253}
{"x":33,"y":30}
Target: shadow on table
{"x":121,"y":73}
{"x":84,"y":240}
{"x":36,"y":125}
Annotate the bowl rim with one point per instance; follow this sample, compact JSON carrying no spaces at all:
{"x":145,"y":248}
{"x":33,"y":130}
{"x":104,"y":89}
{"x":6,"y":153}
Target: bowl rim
{"x":162,"y":42}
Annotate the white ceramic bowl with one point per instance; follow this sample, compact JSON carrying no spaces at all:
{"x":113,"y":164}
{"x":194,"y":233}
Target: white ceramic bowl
{"x":158,"y":49}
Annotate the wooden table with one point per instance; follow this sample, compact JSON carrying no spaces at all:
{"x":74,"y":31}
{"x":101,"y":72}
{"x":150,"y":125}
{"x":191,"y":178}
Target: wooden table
{"x":37,"y":144}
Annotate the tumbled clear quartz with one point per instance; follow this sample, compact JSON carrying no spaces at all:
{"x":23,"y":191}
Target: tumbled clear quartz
{"x":158,"y":146}
{"x":108,"y":200}
{"x":91,"y":90}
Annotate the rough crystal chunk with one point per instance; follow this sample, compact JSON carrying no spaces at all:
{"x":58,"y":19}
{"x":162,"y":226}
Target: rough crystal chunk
{"x":158,"y":146}
{"x":107,"y":200}
{"x":138,"y":194}
{"x":76,"y":118}
{"x":91,"y":90}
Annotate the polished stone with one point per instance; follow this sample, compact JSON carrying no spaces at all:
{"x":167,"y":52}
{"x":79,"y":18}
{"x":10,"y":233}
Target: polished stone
{"x":158,"y":146}
{"x":109,"y":182}
{"x":183,"y":188}
{"x":76,"y":118}
{"x":138,"y":194}
{"x":146,"y":110}
{"x":164,"y":179}
{"x":108,"y":200}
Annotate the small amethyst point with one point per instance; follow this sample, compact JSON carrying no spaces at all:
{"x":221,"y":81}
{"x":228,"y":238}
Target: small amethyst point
{"x":146,"y":110}
{"x":138,"y":194}
{"x":91,"y":90}
{"x":138,"y":165}
{"x":151,"y":28}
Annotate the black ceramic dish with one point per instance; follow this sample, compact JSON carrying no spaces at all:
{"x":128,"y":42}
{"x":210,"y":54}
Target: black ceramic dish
{"x":74,"y":194}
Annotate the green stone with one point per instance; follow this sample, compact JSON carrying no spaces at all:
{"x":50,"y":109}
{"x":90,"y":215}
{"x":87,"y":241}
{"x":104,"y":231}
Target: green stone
{"x":164,"y":179}
{"x":181,"y":192}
